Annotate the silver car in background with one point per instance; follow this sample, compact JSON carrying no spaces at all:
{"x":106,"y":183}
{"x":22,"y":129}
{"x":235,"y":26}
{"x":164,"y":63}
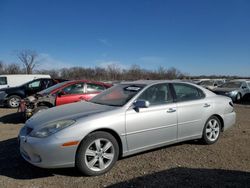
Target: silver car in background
{"x":211,"y":84}
{"x":128,"y":118}
{"x":235,"y":89}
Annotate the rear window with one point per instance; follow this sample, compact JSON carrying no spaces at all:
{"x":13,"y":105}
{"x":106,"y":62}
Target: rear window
{"x":3,"y":80}
{"x":185,"y":92}
{"x":91,"y":88}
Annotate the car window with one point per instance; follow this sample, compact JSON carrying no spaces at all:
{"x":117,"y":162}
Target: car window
{"x":157,"y":94}
{"x":232,"y":84}
{"x":35,"y":84}
{"x":244,"y":84}
{"x":94,"y":88}
{"x":3,"y":81}
{"x":45,"y":84}
{"x":219,"y":83}
{"x":76,"y":88}
{"x":248,"y":83}
{"x":185,"y":92}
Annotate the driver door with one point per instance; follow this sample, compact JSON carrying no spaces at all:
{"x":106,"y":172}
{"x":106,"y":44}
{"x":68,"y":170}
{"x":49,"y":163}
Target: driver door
{"x":154,"y":125}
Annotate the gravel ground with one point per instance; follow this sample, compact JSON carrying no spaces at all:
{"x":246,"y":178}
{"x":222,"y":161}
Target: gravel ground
{"x":189,"y":164}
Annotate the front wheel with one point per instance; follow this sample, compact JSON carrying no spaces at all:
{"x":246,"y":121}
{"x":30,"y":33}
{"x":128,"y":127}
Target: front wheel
{"x":97,"y":153}
{"x":13,"y":101}
{"x":211,"y":131}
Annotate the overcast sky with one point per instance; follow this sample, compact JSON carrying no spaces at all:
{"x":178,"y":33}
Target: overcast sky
{"x":195,"y":36}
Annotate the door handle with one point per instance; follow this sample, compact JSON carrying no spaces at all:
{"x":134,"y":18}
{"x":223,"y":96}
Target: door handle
{"x":206,"y":105}
{"x":171,"y":110}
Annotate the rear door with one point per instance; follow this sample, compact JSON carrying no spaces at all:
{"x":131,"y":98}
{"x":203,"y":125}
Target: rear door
{"x":192,"y":108}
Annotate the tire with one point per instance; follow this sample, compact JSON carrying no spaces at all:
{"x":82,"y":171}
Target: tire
{"x":13,"y":101}
{"x":39,"y":109}
{"x":99,"y":159}
{"x":212,"y":130}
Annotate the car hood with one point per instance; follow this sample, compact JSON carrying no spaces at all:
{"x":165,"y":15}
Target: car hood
{"x":224,"y":89}
{"x":68,"y":111}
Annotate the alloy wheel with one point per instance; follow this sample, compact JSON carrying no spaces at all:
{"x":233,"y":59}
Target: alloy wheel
{"x":99,"y":154}
{"x":212,"y":130}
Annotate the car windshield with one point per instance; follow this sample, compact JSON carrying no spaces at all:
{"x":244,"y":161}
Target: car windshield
{"x":207,"y":83}
{"x":118,"y":95}
{"x":50,"y":89}
{"x":232,"y":85}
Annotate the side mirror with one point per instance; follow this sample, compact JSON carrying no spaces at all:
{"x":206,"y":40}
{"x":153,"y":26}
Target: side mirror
{"x":141,"y":104}
{"x":215,"y":85}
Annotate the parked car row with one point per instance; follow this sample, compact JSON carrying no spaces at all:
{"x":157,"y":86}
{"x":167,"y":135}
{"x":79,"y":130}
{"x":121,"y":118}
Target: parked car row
{"x":14,"y":80}
{"x":61,"y":93}
{"x":235,"y":89}
{"x":12,"y":96}
{"x":112,"y":122}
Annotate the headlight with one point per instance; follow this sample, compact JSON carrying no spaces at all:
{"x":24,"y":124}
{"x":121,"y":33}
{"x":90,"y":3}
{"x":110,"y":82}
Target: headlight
{"x":233,"y":92}
{"x":51,"y":128}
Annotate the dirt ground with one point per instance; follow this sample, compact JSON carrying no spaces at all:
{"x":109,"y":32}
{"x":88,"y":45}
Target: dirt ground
{"x":189,"y":164}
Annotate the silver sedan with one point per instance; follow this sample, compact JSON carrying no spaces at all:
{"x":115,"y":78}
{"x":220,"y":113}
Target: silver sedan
{"x":128,"y":118}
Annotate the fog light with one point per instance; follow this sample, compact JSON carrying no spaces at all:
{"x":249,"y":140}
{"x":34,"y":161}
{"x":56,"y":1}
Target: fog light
{"x":36,"y":158}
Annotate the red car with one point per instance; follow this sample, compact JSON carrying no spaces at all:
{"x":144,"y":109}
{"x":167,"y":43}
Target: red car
{"x":62,"y":93}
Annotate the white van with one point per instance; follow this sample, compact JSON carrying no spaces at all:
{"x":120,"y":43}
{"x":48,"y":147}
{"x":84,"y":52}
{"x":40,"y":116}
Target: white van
{"x":13,"y":80}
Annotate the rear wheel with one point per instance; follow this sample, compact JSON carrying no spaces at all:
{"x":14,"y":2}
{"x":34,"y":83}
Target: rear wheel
{"x":97,"y":154}
{"x":211,"y":131}
{"x":13,"y":101}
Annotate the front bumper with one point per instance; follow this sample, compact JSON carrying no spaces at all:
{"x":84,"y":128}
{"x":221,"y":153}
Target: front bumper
{"x":47,"y":152}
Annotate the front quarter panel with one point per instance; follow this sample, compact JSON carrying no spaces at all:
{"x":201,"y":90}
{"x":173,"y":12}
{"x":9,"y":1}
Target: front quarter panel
{"x":113,"y":120}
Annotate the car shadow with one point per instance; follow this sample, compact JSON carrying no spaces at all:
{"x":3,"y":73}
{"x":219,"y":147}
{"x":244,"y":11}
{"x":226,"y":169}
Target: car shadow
{"x":14,"y":118}
{"x":189,"y":177}
{"x":14,"y":166}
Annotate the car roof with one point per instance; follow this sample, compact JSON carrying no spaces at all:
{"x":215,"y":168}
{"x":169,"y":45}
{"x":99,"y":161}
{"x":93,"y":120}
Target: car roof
{"x":150,"y":82}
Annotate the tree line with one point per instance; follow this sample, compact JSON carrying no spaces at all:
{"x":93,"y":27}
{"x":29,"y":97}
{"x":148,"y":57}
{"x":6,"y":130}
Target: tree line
{"x":111,"y":72}
{"x":29,"y":60}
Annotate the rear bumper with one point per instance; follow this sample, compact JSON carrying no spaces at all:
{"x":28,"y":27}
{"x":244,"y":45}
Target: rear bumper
{"x":229,"y":120}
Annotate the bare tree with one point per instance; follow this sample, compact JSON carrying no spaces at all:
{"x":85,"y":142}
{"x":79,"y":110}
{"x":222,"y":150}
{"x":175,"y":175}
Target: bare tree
{"x":13,"y":69}
{"x":29,"y":59}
